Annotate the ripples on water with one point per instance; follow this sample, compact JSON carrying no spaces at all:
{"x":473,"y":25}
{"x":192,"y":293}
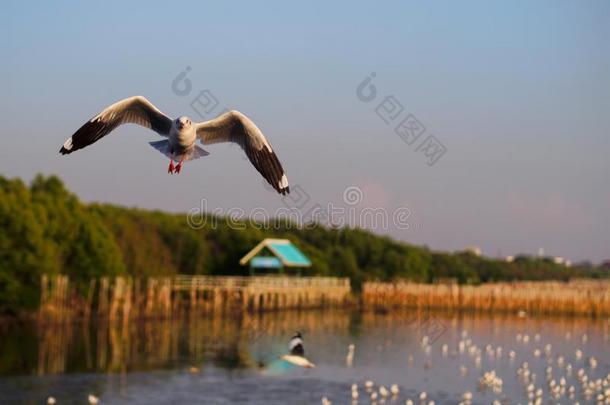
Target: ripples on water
{"x":221,"y":360}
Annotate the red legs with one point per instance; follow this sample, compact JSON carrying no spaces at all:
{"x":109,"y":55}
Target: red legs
{"x":171,"y":168}
{"x":175,"y":169}
{"x":179,"y":166}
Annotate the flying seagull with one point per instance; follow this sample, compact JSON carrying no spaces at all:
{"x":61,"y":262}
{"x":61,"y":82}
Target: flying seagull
{"x":297,"y":352}
{"x":181,"y":135}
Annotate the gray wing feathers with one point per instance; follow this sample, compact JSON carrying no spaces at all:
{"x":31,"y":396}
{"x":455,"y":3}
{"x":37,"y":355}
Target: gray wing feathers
{"x":133,"y":110}
{"x":234,"y":126}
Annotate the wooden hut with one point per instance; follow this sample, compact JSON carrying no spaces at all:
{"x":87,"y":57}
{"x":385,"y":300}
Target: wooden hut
{"x":275,"y":256}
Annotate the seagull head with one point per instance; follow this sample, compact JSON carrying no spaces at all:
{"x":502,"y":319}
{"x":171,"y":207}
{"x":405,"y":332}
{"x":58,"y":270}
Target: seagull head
{"x":183,"y":122}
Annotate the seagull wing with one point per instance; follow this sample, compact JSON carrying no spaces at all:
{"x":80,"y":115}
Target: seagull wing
{"x":234,"y":126}
{"x":134,"y":110}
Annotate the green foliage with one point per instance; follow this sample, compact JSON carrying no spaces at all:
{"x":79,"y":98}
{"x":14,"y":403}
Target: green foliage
{"x":44,"y":229}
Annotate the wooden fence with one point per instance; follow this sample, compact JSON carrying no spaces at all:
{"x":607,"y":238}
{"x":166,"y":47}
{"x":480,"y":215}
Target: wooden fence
{"x":125,"y":298}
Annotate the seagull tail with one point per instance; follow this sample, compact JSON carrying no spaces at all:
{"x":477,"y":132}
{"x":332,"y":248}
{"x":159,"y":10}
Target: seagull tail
{"x":163,"y":147}
{"x":197,"y":152}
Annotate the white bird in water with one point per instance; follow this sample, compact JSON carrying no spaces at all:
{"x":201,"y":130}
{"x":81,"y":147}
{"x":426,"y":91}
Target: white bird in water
{"x":51,"y":401}
{"x":93,"y":399}
{"x":349,"y":359}
{"x":297,"y":352}
{"x":182,"y":134}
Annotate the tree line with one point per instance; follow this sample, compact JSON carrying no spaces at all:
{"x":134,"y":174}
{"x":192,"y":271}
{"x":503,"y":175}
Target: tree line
{"x":45,"y":229}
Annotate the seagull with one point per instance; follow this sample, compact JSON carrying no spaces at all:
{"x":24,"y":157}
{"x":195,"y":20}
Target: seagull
{"x":182,"y":134}
{"x":297,"y":352}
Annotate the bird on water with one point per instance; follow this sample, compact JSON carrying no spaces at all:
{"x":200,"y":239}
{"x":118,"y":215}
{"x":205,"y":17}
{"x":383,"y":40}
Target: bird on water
{"x":297,"y":352}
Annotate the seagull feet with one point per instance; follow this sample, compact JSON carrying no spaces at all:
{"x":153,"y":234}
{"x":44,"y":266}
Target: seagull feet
{"x":171,"y":168}
{"x":178,"y":168}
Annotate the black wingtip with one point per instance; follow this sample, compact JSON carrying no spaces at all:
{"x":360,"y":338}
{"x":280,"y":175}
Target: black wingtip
{"x":64,"y":151}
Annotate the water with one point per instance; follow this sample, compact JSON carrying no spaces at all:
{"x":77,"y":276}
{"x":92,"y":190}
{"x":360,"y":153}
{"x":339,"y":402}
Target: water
{"x":219,"y":360}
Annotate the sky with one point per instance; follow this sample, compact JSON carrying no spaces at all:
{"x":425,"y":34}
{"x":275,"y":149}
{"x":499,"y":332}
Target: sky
{"x":511,"y":103}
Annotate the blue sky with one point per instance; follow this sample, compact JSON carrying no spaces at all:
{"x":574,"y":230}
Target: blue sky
{"x":517,"y":92}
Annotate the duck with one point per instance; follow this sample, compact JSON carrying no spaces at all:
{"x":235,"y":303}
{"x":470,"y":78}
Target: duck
{"x":297,"y":352}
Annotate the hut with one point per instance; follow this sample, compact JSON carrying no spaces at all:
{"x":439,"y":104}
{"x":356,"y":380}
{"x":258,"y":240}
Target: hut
{"x":275,"y":256}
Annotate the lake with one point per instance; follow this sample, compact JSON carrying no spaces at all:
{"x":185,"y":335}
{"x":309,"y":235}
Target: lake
{"x":228,"y":359}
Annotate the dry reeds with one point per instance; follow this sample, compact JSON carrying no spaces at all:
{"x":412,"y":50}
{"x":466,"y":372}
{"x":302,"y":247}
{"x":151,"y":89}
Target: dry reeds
{"x":577,"y":297}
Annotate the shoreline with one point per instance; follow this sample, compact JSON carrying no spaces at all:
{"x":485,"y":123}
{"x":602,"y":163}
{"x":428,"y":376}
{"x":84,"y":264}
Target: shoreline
{"x":123,"y":299}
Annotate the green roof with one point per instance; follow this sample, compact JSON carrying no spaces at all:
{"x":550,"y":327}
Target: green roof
{"x":290,"y":254}
{"x":284,"y":250}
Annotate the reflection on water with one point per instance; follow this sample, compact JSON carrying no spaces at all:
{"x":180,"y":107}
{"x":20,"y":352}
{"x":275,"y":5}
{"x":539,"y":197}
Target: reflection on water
{"x":146,"y":345}
{"x":236,"y":359}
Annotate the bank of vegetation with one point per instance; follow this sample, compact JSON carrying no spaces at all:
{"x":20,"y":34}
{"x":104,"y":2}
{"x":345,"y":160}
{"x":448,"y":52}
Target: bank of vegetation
{"x":45,"y":229}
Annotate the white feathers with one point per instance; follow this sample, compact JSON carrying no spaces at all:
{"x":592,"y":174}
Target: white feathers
{"x":349,"y":359}
{"x":283,"y":182}
{"x":68,"y":144}
{"x":298,"y":361}
{"x":295,"y":341}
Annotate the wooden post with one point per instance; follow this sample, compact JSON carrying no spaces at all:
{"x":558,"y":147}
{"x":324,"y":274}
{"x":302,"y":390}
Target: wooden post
{"x":89,"y":303}
{"x":103,"y":297}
